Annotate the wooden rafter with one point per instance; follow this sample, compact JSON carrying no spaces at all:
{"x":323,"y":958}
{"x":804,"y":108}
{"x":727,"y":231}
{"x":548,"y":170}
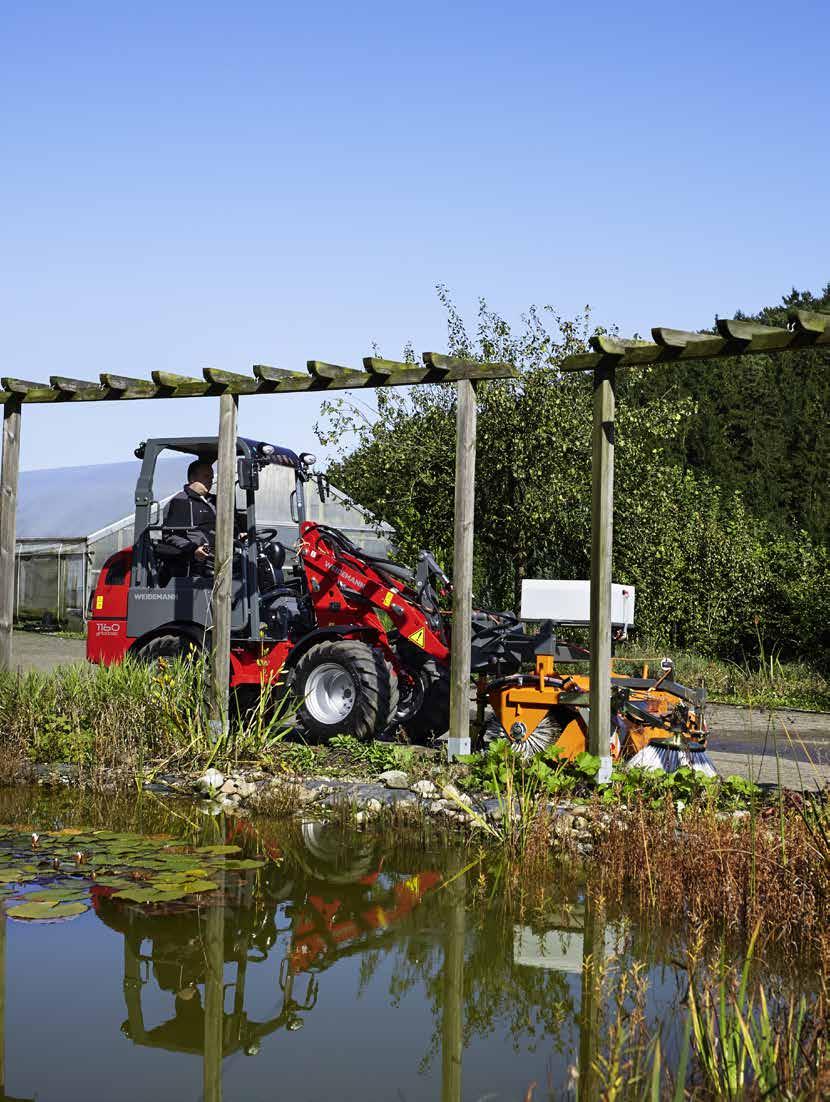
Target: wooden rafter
{"x":734,"y":337}
{"x":374,"y":373}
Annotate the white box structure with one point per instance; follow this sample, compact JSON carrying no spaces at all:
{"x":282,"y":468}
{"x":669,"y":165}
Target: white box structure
{"x":567,"y":602}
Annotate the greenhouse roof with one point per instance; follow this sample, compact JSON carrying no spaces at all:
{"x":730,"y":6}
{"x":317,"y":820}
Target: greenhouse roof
{"x":76,"y":501}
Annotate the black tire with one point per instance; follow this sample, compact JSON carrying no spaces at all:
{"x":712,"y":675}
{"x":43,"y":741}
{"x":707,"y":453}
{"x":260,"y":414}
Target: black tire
{"x":432,"y":719}
{"x":170,"y":646}
{"x":333,"y":674}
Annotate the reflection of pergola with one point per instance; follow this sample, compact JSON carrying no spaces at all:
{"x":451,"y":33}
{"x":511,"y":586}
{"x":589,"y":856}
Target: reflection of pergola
{"x":4,"y":1097}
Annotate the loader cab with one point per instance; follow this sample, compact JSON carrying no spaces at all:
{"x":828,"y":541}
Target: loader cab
{"x":163,"y":589}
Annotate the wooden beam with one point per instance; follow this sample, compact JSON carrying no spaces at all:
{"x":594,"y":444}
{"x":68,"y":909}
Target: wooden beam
{"x":9,"y":472}
{"x":282,"y":381}
{"x":124,"y":383}
{"x":268,"y":380}
{"x":229,"y":380}
{"x":377,"y":366}
{"x":72,"y":386}
{"x":462,"y":597}
{"x":223,"y":557}
{"x":754,"y":337}
{"x":173,"y":382}
{"x":811,"y":325}
{"x":681,"y":343}
{"x":333,"y":376}
{"x":602,"y":535}
{"x":21,"y":386}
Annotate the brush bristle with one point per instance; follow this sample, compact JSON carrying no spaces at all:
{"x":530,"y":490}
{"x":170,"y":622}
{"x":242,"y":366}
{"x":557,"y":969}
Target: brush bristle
{"x":668,"y":759}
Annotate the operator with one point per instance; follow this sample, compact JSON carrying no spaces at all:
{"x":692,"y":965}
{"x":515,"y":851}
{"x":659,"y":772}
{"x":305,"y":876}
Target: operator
{"x":193,"y":513}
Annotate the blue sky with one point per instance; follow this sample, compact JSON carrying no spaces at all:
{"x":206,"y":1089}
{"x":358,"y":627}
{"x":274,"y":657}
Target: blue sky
{"x":188,"y":185}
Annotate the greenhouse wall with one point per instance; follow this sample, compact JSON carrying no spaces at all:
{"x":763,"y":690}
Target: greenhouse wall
{"x":50,"y":582}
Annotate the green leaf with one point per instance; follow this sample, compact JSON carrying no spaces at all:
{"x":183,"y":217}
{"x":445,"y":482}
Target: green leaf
{"x":218,"y":850}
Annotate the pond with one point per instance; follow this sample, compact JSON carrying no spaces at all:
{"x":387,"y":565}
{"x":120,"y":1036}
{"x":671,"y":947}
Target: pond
{"x":169,"y":955}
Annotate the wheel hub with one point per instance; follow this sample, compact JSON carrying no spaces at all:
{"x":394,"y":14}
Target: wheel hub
{"x":330,"y":693}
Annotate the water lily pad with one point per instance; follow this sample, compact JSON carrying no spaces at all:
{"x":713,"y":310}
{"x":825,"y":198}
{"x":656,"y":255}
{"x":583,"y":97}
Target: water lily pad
{"x":218,"y":851}
{"x":194,"y":886}
{"x":42,"y":911}
{"x":56,"y":895}
{"x":245,"y":863}
{"x":114,"y":881}
{"x":136,"y":895}
{"x":15,"y":876}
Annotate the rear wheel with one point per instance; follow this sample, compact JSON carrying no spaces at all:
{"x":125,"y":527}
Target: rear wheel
{"x":344,"y":688}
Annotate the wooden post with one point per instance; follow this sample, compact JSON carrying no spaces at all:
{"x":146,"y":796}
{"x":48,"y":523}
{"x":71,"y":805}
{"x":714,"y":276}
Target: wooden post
{"x":462,"y":602}
{"x":223,"y":552}
{"x":602,"y":531}
{"x":8,"y":522}
{"x":452,"y":1018}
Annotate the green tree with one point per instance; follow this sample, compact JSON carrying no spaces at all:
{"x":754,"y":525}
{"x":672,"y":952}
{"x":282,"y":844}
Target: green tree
{"x":707,"y":569}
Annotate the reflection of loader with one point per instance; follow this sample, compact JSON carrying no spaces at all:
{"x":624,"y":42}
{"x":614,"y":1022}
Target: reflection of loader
{"x":654,"y":722}
{"x":312,"y":910}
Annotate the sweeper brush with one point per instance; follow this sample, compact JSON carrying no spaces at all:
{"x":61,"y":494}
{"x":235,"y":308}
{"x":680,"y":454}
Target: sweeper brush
{"x":655,"y":722}
{"x":668,"y":757}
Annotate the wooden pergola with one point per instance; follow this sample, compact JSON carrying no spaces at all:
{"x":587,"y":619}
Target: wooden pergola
{"x":734,"y":337}
{"x":670,"y":346}
{"x":227,"y":386}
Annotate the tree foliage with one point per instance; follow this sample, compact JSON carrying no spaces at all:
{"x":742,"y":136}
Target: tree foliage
{"x":711,"y":573}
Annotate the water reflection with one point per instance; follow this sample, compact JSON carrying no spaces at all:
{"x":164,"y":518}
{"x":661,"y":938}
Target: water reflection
{"x":329,"y":902}
{"x":411,"y":967}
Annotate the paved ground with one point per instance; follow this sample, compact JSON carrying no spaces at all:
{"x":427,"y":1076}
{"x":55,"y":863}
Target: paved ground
{"x":789,"y":747}
{"x":33,"y":651}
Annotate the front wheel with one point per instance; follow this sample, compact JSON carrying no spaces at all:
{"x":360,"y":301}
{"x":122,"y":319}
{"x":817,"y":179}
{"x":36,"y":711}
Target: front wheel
{"x":430,"y":718}
{"x":344,"y":688}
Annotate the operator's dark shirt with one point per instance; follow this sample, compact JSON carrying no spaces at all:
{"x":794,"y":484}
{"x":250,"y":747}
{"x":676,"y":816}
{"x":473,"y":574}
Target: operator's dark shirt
{"x":197,"y":516}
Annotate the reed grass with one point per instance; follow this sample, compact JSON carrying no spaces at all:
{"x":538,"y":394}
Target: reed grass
{"x":768,"y":870}
{"x":732,"y":1037}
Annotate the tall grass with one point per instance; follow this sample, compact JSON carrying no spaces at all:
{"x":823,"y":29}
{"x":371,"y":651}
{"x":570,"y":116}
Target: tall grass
{"x":128,"y":718}
{"x":761,"y":681}
{"x":768,"y":870}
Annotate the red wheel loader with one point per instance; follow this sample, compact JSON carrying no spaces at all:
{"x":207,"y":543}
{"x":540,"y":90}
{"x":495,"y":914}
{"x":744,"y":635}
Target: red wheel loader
{"x":358,"y":639}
